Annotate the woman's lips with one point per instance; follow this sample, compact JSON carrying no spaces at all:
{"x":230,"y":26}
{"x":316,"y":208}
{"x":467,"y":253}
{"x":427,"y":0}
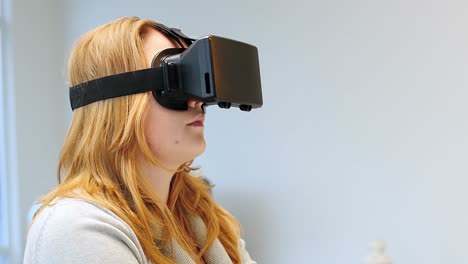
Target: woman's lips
{"x":196,"y":123}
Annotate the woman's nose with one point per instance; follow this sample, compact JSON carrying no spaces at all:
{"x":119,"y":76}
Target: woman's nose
{"x":195,"y":104}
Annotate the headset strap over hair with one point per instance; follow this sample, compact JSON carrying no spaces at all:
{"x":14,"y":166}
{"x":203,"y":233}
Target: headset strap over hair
{"x":126,"y":83}
{"x":107,"y":87}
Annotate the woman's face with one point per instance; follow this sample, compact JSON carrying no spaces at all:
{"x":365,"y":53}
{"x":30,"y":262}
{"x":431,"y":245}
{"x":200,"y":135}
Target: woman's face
{"x":174,"y":137}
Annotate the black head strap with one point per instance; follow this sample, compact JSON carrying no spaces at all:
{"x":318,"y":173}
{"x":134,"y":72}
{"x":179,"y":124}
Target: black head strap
{"x":116,"y":85}
{"x":126,"y":83}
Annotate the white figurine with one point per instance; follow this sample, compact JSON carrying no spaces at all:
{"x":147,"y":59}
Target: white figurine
{"x":378,"y":254}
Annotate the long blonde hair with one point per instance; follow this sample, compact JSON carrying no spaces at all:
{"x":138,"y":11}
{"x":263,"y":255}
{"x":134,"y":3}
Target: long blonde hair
{"x":97,"y":158}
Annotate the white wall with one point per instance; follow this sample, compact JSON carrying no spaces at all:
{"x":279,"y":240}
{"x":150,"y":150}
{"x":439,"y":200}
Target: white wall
{"x":36,"y":35}
{"x":363,"y":134}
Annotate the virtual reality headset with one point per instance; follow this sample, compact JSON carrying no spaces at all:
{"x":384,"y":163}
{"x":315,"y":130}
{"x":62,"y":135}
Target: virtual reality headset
{"x":213,"y":70}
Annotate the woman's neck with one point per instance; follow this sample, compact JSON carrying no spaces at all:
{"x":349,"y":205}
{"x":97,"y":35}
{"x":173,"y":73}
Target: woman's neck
{"x":158,"y":178}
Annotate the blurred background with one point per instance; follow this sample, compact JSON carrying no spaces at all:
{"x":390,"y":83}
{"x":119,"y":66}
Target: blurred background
{"x":363,"y":134}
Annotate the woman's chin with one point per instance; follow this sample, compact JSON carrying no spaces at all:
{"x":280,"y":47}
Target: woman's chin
{"x":198,"y":149}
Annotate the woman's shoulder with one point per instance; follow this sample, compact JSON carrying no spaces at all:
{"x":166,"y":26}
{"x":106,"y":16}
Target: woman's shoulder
{"x":72,"y":229}
{"x":73,"y":212}
{"x":71,"y":207}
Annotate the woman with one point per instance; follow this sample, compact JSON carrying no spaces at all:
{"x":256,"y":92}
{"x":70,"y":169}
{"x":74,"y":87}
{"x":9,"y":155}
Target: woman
{"x":127,"y":195}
